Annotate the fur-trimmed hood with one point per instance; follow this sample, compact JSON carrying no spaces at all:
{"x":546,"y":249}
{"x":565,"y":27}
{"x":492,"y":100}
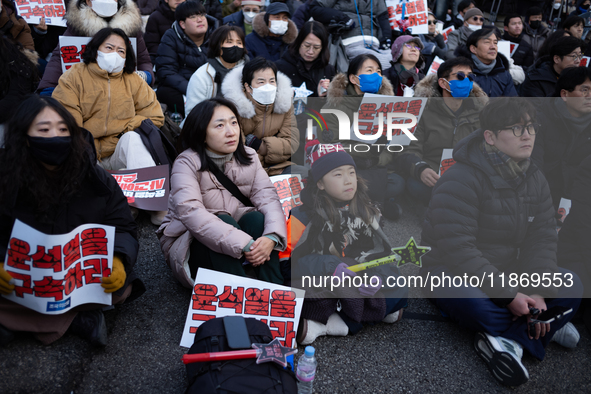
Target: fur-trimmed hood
{"x":85,"y":21}
{"x":261,"y":28}
{"x":340,"y":87}
{"x":429,"y":88}
{"x":232,"y":89}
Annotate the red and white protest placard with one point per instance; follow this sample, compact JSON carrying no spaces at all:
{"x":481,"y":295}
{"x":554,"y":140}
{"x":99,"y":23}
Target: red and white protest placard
{"x":72,"y":48}
{"x":145,"y":188}
{"x":216,"y":294}
{"x":446,"y":160}
{"x":414,"y":11}
{"x":33,"y":10}
{"x":513,"y":47}
{"x":435,"y":65}
{"x":584,"y":61}
{"x":55,"y":273}
{"x":374,"y":104}
{"x":447,"y":32}
{"x":288,"y":189}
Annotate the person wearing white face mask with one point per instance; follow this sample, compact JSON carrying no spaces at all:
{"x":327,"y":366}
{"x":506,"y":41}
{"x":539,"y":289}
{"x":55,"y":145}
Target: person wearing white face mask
{"x":266,"y":112}
{"x":244,"y":17}
{"x":473,"y":20}
{"x":272,"y":32}
{"x":85,"y":18}
{"x":108,"y":99}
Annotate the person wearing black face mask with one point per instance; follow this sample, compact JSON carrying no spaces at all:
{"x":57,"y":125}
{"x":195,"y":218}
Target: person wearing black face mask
{"x":226,"y":51}
{"x":50,"y":180}
{"x":536,"y":32}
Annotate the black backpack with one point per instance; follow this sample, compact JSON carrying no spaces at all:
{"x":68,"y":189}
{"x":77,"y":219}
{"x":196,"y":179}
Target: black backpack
{"x":243,"y":376}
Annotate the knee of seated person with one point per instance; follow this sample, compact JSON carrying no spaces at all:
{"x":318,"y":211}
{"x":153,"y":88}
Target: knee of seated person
{"x":229,"y":219}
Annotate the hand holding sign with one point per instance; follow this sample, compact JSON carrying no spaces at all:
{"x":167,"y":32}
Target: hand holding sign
{"x":116,"y":280}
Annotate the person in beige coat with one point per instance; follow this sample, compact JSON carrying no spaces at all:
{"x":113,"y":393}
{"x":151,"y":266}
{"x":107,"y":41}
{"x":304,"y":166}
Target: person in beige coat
{"x":263,"y":97}
{"x":108,"y":99}
{"x":207,"y":226}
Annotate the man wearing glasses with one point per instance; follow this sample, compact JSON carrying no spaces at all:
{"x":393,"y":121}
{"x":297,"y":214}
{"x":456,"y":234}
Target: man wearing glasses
{"x":451,"y":114}
{"x":566,"y":127}
{"x":473,"y":21}
{"x":540,"y":80}
{"x":491,"y":218}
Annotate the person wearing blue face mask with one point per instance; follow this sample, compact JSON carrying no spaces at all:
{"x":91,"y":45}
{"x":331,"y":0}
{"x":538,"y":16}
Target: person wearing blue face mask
{"x":451,"y":114}
{"x":345,"y":93}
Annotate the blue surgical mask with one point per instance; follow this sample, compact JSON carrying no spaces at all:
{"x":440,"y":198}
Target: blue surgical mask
{"x":460,"y":89}
{"x":370,"y":83}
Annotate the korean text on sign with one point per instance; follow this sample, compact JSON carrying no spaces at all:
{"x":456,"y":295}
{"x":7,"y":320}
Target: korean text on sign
{"x":33,"y":10}
{"x":54,"y":273}
{"x":216,"y":294}
{"x":415,"y":14}
{"x":288,"y":189}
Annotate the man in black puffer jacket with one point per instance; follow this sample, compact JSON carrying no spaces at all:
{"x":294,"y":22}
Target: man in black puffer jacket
{"x":491,"y":226}
{"x":182,"y":51}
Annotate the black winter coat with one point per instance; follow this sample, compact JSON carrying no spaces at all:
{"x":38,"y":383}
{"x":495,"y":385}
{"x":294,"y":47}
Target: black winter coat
{"x":574,"y":247}
{"x":540,"y":79}
{"x":295,"y":69}
{"x":477,"y":224}
{"x":159,"y":22}
{"x":497,"y":83}
{"x":559,"y":149}
{"x":99,"y":200}
{"x":235,"y":19}
{"x":260,"y":43}
{"x":524,"y":54}
{"x":22,"y":82}
{"x":179,"y":57}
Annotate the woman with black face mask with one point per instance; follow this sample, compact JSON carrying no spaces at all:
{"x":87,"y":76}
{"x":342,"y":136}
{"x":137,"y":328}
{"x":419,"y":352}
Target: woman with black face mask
{"x":226,"y":51}
{"x":50,"y":181}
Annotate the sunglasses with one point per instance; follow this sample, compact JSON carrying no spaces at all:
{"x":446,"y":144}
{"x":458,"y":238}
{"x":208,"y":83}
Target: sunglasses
{"x":478,"y":18}
{"x":461,"y":75}
{"x":432,"y":22}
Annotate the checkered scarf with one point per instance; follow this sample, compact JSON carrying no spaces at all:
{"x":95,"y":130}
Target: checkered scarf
{"x":512,"y":172}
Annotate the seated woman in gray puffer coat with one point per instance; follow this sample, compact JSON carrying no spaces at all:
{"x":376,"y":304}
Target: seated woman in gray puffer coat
{"x":207,"y":225}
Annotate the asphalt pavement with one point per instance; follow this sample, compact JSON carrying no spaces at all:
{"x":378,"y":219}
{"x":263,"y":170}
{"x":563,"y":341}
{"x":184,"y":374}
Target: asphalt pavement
{"x":143,"y":353}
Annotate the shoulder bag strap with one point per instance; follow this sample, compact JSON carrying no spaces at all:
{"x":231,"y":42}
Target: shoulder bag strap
{"x":229,"y":185}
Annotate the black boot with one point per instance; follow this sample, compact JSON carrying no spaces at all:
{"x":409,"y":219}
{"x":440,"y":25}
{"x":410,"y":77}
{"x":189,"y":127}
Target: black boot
{"x":91,"y":326}
{"x":5,"y":335}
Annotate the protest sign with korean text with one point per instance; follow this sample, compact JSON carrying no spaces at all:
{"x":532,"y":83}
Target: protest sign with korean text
{"x":72,"y":48}
{"x":446,"y":160}
{"x":413,"y":11}
{"x":55,"y":273}
{"x":33,"y":10}
{"x":145,"y":188}
{"x":584,"y":61}
{"x":369,"y":112}
{"x":288,"y":189}
{"x":437,"y":62}
{"x":447,"y":32}
{"x":216,"y":294}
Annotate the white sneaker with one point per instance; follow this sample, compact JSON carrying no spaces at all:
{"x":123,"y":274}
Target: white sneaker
{"x":503,"y":358}
{"x":393,"y":317}
{"x":336,"y":326}
{"x":567,"y":336}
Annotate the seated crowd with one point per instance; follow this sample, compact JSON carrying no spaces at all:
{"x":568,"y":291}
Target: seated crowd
{"x":518,"y":123}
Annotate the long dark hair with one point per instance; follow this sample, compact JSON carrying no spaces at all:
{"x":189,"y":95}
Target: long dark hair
{"x":91,"y":51}
{"x":195,"y":130}
{"x":315,"y":200}
{"x":20,"y":171}
{"x":316,"y":28}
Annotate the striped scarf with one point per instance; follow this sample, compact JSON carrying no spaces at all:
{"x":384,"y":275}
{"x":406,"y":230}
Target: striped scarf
{"x":512,"y":172}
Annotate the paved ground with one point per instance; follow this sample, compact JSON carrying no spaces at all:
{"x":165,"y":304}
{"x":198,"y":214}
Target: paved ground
{"x":143,"y":355}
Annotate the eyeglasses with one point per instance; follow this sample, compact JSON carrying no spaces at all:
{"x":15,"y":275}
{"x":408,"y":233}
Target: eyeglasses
{"x":518,"y":129}
{"x":307,"y":47}
{"x":411,"y":46}
{"x":461,"y":75}
{"x":432,"y":22}
{"x":575,"y":57}
{"x":477,"y":18}
{"x":584,"y":90}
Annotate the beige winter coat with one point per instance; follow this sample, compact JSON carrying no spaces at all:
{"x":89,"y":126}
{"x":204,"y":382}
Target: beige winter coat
{"x":197,"y":197}
{"x":274,"y":123}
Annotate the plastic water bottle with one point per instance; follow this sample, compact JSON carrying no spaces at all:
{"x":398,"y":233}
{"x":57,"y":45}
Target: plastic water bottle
{"x":176,"y":117}
{"x":306,"y":371}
